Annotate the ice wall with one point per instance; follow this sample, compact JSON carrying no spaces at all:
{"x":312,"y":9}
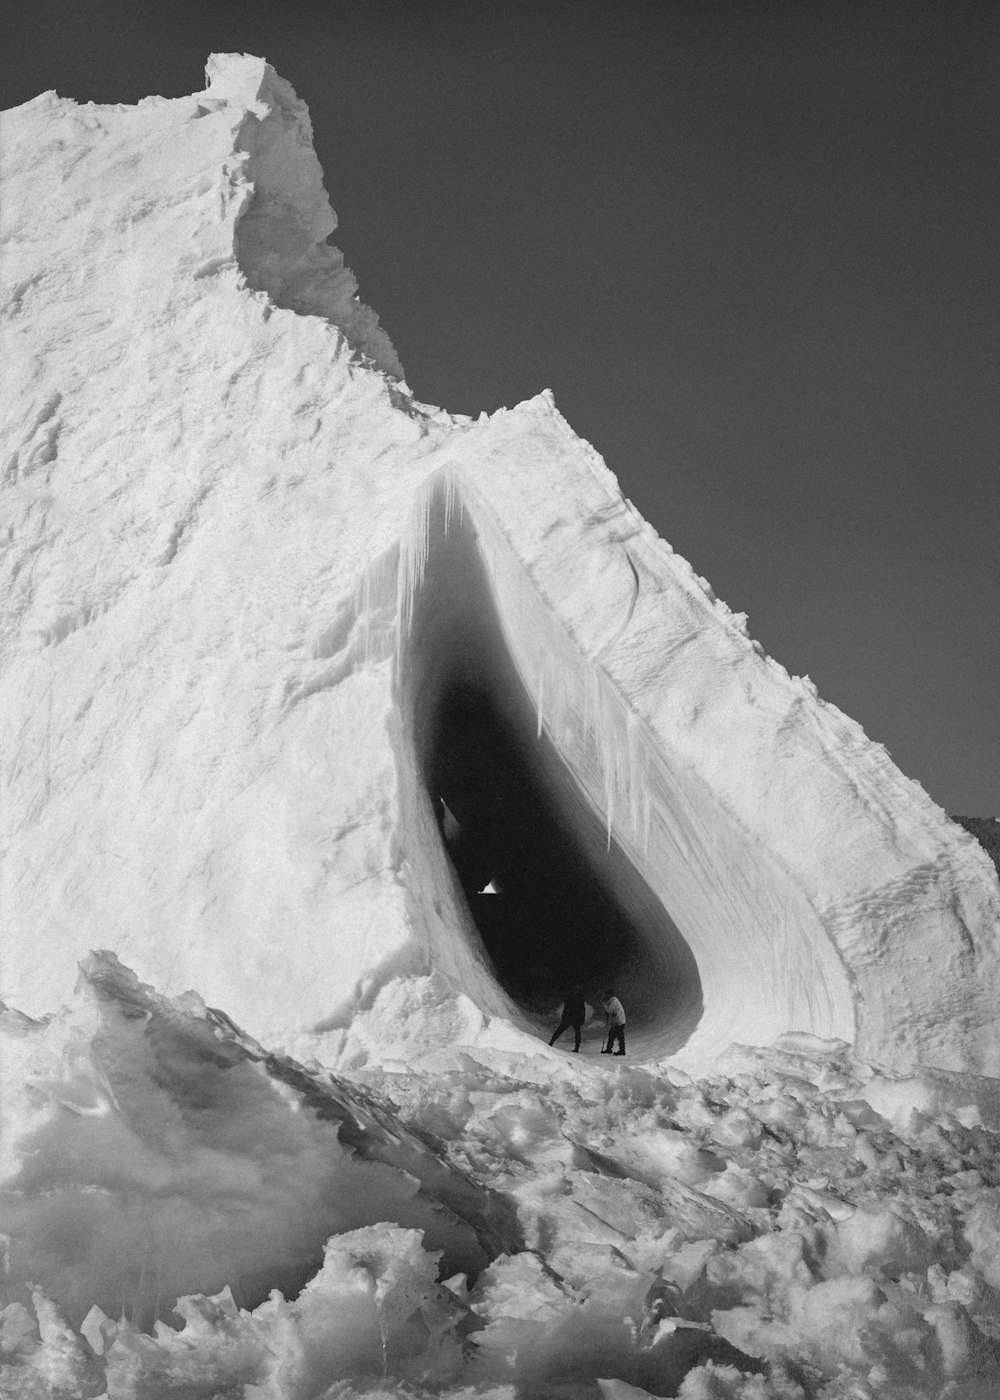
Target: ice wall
{"x":222,"y":508}
{"x":193,"y":480}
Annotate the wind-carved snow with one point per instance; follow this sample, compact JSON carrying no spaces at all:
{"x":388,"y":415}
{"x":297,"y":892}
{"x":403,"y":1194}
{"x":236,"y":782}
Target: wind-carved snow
{"x":281,"y":233}
{"x":295,"y":669}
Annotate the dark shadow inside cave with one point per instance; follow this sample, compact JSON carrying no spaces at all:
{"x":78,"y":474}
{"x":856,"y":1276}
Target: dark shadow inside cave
{"x":551,"y":922}
{"x":569,"y":909}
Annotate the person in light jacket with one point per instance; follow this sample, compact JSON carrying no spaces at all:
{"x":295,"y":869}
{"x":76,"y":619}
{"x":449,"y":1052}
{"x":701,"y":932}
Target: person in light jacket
{"x":614,"y":1023}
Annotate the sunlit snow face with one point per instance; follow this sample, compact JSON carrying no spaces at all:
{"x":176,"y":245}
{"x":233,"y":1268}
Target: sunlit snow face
{"x":552,"y":904}
{"x":154,"y":1157}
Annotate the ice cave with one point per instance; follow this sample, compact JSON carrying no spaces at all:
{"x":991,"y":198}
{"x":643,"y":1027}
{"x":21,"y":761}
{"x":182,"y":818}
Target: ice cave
{"x":552,"y":899}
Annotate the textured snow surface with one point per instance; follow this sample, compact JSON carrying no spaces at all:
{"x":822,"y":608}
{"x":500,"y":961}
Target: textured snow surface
{"x":293,"y":668}
{"x":246,"y":572}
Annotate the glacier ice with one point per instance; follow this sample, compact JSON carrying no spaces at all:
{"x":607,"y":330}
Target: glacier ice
{"x":294,"y":669}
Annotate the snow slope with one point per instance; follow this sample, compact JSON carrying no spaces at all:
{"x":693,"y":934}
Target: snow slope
{"x":258,"y":596}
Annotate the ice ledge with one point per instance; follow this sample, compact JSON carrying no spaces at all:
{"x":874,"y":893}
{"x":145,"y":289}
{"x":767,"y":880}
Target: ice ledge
{"x":280,"y":233}
{"x":167,"y":201}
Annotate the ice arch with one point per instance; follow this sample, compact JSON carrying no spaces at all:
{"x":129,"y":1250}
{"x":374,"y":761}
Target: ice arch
{"x":511,"y":813}
{"x":614,"y":863}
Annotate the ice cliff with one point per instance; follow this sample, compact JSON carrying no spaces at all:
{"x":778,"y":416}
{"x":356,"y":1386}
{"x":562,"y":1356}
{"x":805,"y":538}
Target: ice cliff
{"x":294,"y":665}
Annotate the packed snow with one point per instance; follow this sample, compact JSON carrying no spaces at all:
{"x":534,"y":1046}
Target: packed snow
{"x":357,"y":734}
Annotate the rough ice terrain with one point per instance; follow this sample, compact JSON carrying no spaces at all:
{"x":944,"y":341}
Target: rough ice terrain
{"x":295,"y":668}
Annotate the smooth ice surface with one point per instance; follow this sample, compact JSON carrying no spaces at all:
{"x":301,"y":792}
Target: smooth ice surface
{"x":293,"y":668}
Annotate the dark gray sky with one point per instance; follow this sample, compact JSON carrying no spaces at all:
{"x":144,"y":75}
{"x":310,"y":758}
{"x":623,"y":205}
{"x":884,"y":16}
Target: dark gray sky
{"x":751,"y":247}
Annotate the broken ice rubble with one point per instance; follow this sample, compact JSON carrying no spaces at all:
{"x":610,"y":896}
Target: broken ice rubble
{"x":791,"y":1226}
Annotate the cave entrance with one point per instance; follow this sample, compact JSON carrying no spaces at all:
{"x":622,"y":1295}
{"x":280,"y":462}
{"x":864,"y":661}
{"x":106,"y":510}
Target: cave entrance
{"x":548,"y":922}
{"x":552,"y":905}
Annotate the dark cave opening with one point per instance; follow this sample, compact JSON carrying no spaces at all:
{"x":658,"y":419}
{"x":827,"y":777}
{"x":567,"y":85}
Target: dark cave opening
{"x":551,"y":924}
{"x":570,"y":908}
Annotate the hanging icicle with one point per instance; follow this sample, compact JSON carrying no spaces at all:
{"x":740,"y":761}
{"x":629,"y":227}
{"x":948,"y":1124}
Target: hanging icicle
{"x":576,"y":703}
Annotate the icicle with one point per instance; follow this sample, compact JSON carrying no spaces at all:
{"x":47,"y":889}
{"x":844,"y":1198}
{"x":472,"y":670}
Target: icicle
{"x":452,"y":499}
{"x":590,"y":724}
{"x":634,"y":781}
{"x":540,"y":708}
{"x":374,"y":595}
{"x":414,"y":548}
{"x":437,"y":499}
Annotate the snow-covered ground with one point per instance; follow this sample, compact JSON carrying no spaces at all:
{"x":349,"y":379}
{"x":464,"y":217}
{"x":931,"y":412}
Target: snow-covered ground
{"x":294,"y":668}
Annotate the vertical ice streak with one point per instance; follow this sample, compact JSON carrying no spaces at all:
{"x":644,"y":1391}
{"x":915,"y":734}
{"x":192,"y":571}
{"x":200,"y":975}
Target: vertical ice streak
{"x":364,"y":605}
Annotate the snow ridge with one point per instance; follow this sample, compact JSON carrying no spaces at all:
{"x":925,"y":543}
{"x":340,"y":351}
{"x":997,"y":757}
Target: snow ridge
{"x":281,"y":231}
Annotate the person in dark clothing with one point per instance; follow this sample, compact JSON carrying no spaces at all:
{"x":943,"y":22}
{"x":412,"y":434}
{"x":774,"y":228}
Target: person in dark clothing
{"x":574,"y":1013}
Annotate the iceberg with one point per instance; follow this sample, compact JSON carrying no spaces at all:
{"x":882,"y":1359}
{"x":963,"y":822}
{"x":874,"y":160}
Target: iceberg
{"x":353,"y":734}
{"x":268,"y":613}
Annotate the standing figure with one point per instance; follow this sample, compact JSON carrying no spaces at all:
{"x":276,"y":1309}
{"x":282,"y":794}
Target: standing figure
{"x":614,"y":1023}
{"x":574,"y":1013}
